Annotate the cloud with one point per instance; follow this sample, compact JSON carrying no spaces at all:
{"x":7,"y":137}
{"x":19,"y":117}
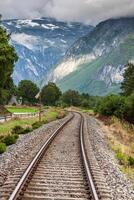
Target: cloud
{"x":87,"y":11}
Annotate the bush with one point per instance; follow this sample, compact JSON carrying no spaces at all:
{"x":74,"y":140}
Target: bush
{"x":16,"y":136}
{"x":131,"y":161}
{"x":112,"y":105}
{"x":17,"y":130}
{"x":85,"y":103}
{"x":123,"y":160}
{"x":2,"y":147}
{"x":27,"y":130}
{"x":10,"y":139}
{"x":37,"y":125}
{"x":45,"y":121}
{"x":60,"y":115}
{"x":1,"y":137}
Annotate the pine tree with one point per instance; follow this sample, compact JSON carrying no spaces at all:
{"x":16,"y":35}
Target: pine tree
{"x":128,"y":84}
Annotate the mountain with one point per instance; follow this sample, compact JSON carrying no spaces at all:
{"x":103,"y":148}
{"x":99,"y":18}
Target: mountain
{"x":96,"y":62}
{"x":40,"y":44}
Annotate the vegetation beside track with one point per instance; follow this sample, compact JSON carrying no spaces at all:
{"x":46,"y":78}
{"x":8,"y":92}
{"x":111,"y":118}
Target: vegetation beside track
{"x":10,"y":131}
{"x":120,"y":137}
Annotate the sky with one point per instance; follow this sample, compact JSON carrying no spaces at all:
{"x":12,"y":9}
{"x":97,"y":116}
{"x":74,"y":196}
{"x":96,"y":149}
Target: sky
{"x":86,"y":11}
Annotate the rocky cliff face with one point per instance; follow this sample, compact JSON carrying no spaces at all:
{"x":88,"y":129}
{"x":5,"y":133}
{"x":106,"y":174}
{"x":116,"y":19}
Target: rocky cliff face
{"x":99,"y":58}
{"x":40,"y":44}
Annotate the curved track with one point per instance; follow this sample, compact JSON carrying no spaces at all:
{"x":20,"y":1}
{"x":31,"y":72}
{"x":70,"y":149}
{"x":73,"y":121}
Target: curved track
{"x":60,"y":170}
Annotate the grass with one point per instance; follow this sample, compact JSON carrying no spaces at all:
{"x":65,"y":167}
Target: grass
{"x":22,"y":109}
{"x":120,"y":137}
{"x":88,"y":111}
{"x":50,"y":115}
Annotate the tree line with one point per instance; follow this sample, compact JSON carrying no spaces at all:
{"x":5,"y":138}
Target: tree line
{"x":122,"y":105}
{"x":51,"y":95}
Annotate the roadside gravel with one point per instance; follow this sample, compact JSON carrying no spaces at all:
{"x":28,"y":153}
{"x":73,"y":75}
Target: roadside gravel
{"x":120,"y":186}
{"x":19,"y":155}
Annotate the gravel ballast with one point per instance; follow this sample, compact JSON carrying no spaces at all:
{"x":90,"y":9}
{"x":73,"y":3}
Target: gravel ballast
{"x":25,"y":149}
{"x":120,"y":186}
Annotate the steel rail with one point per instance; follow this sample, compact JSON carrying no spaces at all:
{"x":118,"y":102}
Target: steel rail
{"x":34,"y":162}
{"x":86,"y":163}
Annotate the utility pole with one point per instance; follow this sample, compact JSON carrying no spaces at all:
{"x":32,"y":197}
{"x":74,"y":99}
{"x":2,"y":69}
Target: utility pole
{"x":38,"y":96}
{"x":40,"y":108}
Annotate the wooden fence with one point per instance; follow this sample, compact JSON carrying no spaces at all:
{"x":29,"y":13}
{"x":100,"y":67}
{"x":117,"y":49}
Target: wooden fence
{"x":19,"y":115}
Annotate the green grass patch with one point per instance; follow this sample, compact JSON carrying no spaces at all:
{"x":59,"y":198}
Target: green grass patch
{"x":15,"y":109}
{"x":88,"y":111}
{"x":8,"y":127}
{"x":10,"y":131}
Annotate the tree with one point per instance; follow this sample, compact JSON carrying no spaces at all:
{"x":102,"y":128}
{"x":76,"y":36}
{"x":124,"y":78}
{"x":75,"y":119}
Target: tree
{"x":71,"y":97}
{"x":50,"y":94}
{"x":129,"y":108}
{"x":112,"y":105}
{"x":128,"y":84}
{"x":28,"y":90}
{"x":8,"y":57}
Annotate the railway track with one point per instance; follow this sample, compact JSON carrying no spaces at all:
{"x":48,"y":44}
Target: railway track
{"x":61,"y":169}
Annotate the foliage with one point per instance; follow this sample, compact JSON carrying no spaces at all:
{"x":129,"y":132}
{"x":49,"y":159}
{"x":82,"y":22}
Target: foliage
{"x":2,"y":147}
{"x":111,"y":105}
{"x":128,"y":83}
{"x":28,"y":90}
{"x":17,"y":130}
{"x":122,"y":158}
{"x":50,"y":94}
{"x":131,"y":161}
{"x":61,"y":115}
{"x":10,"y":139}
{"x":27,"y":130}
{"x":129,"y":108}
{"x":88,"y":101}
{"x":20,"y":130}
{"x":71,"y":98}
{"x":37,"y":125}
{"x":6,"y":127}
{"x":8,"y":58}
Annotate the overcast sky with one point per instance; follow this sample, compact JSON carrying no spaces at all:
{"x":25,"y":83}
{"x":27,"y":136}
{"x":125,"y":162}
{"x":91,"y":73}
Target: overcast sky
{"x":87,"y":11}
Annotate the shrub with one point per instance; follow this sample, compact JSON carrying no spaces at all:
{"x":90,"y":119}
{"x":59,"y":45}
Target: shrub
{"x":10,"y":139}
{"x":123,"y":160}
{"x":17,"y":130}
{"x":1,"y":137}
{"x":60,"y":115}
{"x":16,"y":136}
{"x":45,"y":121}
{"x":27,"y":130}
{"x":131,"y":161}
{"x":2,"y":147}
{"x":36,"y":125}
{"x":112,"y":105}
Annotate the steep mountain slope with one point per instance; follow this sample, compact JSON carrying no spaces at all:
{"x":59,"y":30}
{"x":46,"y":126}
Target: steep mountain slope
{"x":97,"y":60}
{"x":40,"y":43}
